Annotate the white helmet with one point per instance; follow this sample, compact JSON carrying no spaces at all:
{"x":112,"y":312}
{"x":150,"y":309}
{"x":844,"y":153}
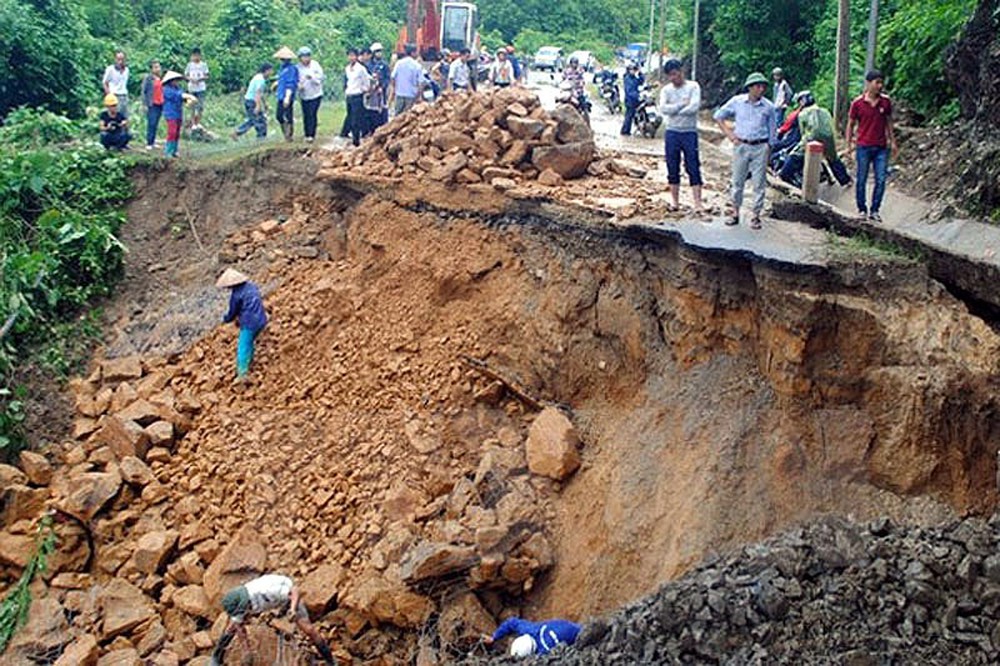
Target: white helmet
{"x":523,"y":646}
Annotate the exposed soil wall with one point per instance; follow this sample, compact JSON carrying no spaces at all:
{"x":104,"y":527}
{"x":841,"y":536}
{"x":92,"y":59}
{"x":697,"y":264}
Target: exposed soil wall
{"x":718,"y":398}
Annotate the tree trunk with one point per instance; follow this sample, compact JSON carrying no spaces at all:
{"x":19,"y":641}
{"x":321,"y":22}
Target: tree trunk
{"x":842,"y":80}
{"x":694,"y":43}
{"x":872,"y":36}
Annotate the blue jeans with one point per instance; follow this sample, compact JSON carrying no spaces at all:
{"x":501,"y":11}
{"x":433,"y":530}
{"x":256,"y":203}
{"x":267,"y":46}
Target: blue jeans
{"x":686,"y":144}
{"x":877,"y":156}
{"x":153,"y":122}
{"x":244,"y":350}
{"x":258,"y":121}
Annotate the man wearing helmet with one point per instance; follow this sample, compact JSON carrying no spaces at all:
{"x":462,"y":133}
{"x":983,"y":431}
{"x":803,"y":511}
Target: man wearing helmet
{"x":574,"y":74}
{"x":535,"y":637}
{"x":815,"y":124}
{"x":270,"y":592}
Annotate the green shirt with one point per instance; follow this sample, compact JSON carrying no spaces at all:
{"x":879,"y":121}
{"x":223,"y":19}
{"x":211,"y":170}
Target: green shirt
{"x":816,"y":124}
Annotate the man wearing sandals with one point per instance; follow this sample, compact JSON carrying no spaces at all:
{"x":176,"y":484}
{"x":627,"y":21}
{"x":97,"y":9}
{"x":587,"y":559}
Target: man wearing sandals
{"x":748,"y":122}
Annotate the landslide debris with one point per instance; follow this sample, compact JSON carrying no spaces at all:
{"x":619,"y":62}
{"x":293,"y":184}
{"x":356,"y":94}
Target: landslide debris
{"x":481,"y":146}
{"x":834,"y":592}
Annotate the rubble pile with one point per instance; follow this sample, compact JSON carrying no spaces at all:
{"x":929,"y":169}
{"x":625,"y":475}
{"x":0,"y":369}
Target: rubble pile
{"x":401,"y":489}
{"x":832,"y":592}
{"x":497,"y":140}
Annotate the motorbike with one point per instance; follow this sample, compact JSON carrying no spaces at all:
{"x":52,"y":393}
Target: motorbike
{"x":608,"y":89}
{"x":647,"y":118}
{"x":577,"y":99}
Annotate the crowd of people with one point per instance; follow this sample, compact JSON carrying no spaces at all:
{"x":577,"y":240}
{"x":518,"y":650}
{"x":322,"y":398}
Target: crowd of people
{"x":772,"y":133}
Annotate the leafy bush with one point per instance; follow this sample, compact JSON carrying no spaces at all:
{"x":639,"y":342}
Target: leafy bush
{"x":59,"y":213}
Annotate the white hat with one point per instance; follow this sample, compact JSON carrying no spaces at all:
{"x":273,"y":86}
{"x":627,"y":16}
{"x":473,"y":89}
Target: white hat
{"x":230,"y":278}
{"x":376,"y":46}
{"x":523,"y":646}
{"x":284,"y":53}
{"x":171,"y":76}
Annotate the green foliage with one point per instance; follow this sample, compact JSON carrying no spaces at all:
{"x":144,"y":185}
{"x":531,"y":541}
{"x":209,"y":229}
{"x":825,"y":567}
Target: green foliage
{"x":915,"y":38}
{"x":45,"y":46}
{"x":60,"y":200}
{"x":15,"y":606}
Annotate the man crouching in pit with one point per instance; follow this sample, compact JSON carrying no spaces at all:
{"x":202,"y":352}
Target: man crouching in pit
{"x":270,"y":592}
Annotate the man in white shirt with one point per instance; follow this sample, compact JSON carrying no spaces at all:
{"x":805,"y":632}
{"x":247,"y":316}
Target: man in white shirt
{"x":115,"y":81}
{"x":311,"y":79}
{"x":358,"y":83}
{"x":459,"y":75}
{"x":406,"y":81}
{"x":680,"y":101}
{"x":196,"y":74}
{"x":271,"y":592}
{"x":501,"y":70}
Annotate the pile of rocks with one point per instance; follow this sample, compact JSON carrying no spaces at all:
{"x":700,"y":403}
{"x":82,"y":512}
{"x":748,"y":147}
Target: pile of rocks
{"x":497,"y":139}
{"x":834,"y":592}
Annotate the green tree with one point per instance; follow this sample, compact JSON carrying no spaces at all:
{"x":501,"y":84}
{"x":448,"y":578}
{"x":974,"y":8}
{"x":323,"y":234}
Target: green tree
{"x":45,"y":45}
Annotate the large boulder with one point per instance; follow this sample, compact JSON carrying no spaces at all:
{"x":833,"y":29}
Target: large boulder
{"x":552,"y":444}
{"x":123,"y":608}
{"x":153,"y":549}
{"x":91,"y":492}
{"x":116,"y":370}
{"x":81,"y":652}
{"x":36,"y":467}
{"x":124,"y":437}
{"x":319,"y":589}
{"x":569,"y":160}
{"x":192,"y":600}
{"x":435,"y":560}
{"x":383,"y":600}
{"x":243,"y":558}
{"x":571,"y":128}
{"x":42,"y":637}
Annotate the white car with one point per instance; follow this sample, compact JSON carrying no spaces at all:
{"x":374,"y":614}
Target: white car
{"x":548,"y":57}
{"x":586,"y":59}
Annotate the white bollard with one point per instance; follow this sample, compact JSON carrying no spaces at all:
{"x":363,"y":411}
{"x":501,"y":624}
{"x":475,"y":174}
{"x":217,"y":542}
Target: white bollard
{"x":810,"y":172}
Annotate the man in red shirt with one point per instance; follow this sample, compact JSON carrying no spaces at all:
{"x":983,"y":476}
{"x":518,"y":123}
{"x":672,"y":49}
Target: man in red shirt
{"x":871,"y":115}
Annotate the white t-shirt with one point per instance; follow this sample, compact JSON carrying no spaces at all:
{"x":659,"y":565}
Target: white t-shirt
{"x":116,"y":79}
{"x":267,"y":593}
{"x":458,"y":74}
{"x":311,"y":79}
{"x":502,"y":72}
{"x":196,"y":73}
{"x":358,"y":79}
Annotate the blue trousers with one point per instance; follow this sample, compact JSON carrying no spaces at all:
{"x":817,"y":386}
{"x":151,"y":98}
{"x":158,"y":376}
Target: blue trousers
{"x":244,"y":350}
{"x":630,"y":106}
{"x":677,"y":144}
{"x":876,"y":157}
{"x":152,"y":122}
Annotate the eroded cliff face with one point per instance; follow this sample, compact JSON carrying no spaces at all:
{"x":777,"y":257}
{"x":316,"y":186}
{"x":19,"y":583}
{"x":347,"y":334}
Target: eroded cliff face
{"x":719,"y":398}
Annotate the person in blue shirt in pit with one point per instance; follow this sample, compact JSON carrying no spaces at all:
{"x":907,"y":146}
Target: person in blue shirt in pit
{"x":246,"y":308}
{"x":535,"y":637}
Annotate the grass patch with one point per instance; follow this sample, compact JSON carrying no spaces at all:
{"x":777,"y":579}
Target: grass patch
{"x":222,"y":115}
{"x":863,"y":247}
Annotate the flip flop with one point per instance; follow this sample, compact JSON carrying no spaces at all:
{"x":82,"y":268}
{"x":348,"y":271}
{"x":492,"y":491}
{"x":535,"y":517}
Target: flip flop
{"x":755,"y":222}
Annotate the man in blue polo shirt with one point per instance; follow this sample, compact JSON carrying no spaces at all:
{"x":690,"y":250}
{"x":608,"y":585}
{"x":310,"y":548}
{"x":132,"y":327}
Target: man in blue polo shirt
{"x":748,"y":122}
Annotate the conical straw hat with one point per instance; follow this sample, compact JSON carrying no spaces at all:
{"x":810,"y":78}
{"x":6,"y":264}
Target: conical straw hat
{"x":230,"y":278}
{"x":171,"y":76}
{"x":284,"y":53}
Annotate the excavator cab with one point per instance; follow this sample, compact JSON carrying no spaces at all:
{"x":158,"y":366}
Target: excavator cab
{"x":458,"y":25}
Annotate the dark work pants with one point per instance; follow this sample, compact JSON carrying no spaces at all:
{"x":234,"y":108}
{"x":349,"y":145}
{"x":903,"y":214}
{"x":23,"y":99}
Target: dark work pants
{"x":152,"y":122}
{"x":310,"y":108}
{"x":356,"y":117}
{"x":630,"y":107}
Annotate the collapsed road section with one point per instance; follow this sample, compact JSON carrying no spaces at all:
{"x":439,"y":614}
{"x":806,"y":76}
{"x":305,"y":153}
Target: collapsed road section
{"x":459,"y":416}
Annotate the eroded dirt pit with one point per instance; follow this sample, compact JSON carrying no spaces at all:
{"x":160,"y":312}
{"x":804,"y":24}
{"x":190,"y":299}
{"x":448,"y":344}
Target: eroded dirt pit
{"x":718,"y":400}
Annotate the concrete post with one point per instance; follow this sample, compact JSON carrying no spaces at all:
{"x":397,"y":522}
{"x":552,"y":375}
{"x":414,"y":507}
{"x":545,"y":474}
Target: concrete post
{"x":810,"y":172}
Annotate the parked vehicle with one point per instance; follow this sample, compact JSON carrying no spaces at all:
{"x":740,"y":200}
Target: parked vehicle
{"x":585,"y":58}
{"x":607,"y":87}
{"x":647,"y":118}
{"x":548,"y":58}
{"x":577,"y":99}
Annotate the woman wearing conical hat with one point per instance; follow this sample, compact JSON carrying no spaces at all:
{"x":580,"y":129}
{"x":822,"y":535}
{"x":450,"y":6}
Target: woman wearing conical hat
{"x":245,"y":308}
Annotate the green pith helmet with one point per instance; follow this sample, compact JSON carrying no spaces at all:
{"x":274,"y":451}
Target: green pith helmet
{"x":755,"y":77}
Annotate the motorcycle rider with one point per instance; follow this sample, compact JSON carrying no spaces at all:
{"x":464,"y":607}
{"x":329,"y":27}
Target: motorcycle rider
{"x":633,"y":82}
{"x":574,"y":74}
{"x":815,"y":124}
